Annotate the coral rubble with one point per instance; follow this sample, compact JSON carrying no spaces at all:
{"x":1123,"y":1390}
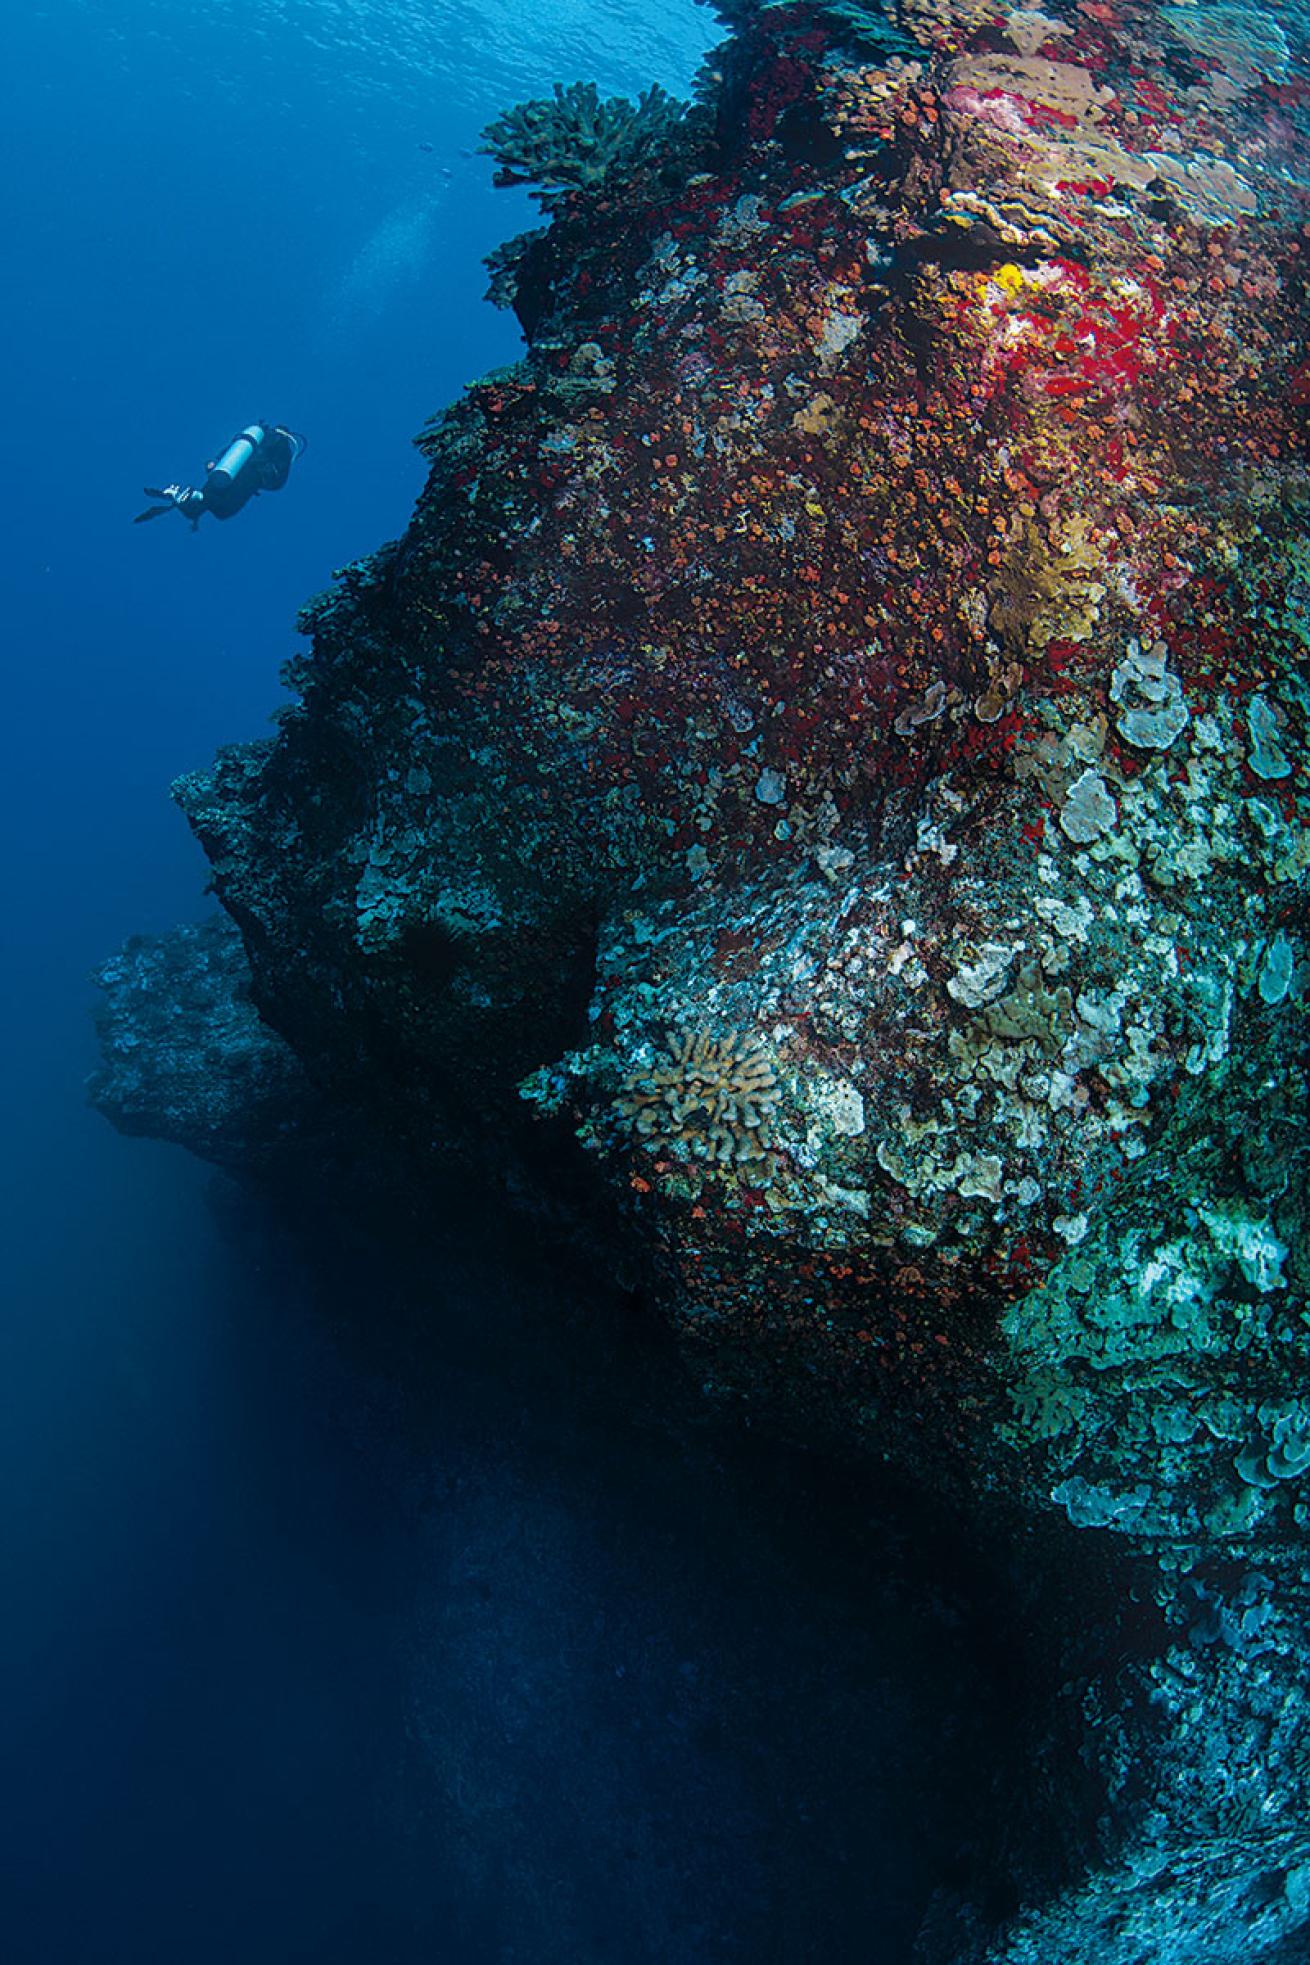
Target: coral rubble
{"x":821,"y":785}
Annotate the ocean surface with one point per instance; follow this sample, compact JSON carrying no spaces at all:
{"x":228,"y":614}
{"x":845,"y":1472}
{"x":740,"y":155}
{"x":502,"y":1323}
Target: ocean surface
{"x":337,"y":1626}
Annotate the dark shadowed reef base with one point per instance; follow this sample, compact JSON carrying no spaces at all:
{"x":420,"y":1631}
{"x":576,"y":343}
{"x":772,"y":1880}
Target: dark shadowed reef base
{"x":671,"y":1694}
{"x":814,"y":811}
{"x":678,"y":1694}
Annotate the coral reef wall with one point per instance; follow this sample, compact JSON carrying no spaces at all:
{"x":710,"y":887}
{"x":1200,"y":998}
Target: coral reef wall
{"x":818,"y":797}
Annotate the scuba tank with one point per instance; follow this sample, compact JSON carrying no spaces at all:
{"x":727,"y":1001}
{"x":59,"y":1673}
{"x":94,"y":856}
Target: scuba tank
{"x":254,"y":437}
{"x":259,"y":458}
{"x":239,"y":452}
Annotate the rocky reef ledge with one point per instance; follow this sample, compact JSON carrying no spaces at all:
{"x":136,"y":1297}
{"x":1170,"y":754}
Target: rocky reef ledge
{"x":816,"y":802}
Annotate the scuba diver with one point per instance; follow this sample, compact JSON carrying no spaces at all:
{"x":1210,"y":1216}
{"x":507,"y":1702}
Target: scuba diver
{"x":259,"y":458}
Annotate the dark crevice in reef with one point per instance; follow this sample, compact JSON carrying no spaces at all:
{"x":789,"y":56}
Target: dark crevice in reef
{"x":432,"y":956}
{"x":814,"y":813}
{"x":593,"y":1369}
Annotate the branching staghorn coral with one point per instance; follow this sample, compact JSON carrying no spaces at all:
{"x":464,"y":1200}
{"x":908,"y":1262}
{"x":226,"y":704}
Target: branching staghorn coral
{"x":573,"y":141}
{"x":707,"y":1098}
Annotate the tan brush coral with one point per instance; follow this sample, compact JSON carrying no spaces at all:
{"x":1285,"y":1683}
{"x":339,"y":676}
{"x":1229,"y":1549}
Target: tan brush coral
{"x":708,"y":1097}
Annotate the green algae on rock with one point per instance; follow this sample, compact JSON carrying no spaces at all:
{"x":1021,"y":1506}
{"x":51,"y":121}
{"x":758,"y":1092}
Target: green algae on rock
{"x":861,"y":647}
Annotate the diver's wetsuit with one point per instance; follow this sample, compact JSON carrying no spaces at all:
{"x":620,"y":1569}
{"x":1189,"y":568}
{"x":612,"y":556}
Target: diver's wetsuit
{"x":259,"y":458}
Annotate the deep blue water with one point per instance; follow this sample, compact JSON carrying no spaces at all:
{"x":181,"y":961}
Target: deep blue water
{"x":323,"y":1639}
